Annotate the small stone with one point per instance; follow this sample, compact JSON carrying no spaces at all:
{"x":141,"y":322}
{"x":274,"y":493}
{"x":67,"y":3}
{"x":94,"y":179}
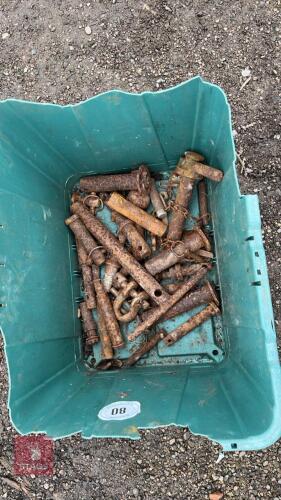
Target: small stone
{"x":88,"y":30}
{"x":135,"y":492}
{"x":246,"y":72}
{"x":71,"y":47}
{"x":172,"y":441}
{"x":5,"y":36}
{"x":46,"y":486}
{"x":139,"y":461}
{"x":216,"y":495}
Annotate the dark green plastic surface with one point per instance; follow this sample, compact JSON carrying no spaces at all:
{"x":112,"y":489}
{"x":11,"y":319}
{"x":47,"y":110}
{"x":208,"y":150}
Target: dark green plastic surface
{"x":232,"y":397}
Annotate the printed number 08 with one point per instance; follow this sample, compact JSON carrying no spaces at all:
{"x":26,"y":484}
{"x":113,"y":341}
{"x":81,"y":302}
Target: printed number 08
{"x":116,"y":411}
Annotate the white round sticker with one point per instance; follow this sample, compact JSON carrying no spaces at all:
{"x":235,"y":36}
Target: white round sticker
{"x":121,"y":410}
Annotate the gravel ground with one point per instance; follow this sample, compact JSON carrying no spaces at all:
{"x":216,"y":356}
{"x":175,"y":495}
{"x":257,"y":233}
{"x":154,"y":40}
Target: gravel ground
{"x":47,"y":55}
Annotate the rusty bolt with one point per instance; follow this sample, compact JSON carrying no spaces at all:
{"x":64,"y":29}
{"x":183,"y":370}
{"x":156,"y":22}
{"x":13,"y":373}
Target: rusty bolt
{"x":106,"y":310}
{"x":145,"y":347}
{"x":89,"y":325}
{"x":164,"y":307}
{"x":131,"y":265}
{"x":189,"y":325}
{"x":94,"y":251}
{"x":147,"y":221}
{"x":140,"y":249}
{"x":203,"y":295}
{"x":137,"y":180}
{"x":192,"y":241}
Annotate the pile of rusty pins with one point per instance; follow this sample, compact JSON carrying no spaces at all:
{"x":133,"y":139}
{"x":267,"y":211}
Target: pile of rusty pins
{"x":151,"y":246}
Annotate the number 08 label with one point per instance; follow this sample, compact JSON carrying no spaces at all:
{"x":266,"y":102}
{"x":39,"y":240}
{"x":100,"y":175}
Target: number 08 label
{"x":121,"y":410}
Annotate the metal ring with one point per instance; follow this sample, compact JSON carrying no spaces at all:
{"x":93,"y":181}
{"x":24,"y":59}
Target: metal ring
{"x":96,"y":248}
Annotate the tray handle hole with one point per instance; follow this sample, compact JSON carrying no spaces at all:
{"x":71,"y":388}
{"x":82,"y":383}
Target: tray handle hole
{"x":215,"y":352}
{"x":234,"y":446}
{"x":250,"y":238}
{"x":256,"y":283}
{"x":257,"y":254}
{"x":258,"y":271}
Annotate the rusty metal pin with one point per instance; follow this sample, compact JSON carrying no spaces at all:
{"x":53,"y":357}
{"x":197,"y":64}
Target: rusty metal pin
{"x":107,"y":312}
{"x":111,"y":268}
{"x":203,"y":202}
{"x":172,"y":287}
{"x":192,"y":241}
{"x":190,"y":166}
{"x":157,"y":202}
{"x":87,"y":277}
{"x":94,"y":252}
{"x":81,"y":253}
{"x":177,"y":221}
{"x":180,"y":271}
{"x":140,"y":249}
{"x":88,"y":323}
{"x":196,"y":320}
{"x":164,"y":307}
{"x":106,"y":346}
{"x":144,"y":348}
{"x":131,"y":265}
{"x":203,"y":295}
{"x":147,"y":221}
{"x":205,"y":254}
{"x":189,"y":169}
{"x":137,"y":180}
{"x":141,"y":200}
{"x":107,"y":364}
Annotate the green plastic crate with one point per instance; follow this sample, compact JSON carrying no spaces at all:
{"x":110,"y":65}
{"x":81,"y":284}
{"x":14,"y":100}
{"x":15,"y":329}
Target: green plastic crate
{"x":228,"y":386}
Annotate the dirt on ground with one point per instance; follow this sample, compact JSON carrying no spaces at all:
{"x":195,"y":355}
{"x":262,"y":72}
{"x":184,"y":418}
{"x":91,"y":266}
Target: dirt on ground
{"x":68,"y":50}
